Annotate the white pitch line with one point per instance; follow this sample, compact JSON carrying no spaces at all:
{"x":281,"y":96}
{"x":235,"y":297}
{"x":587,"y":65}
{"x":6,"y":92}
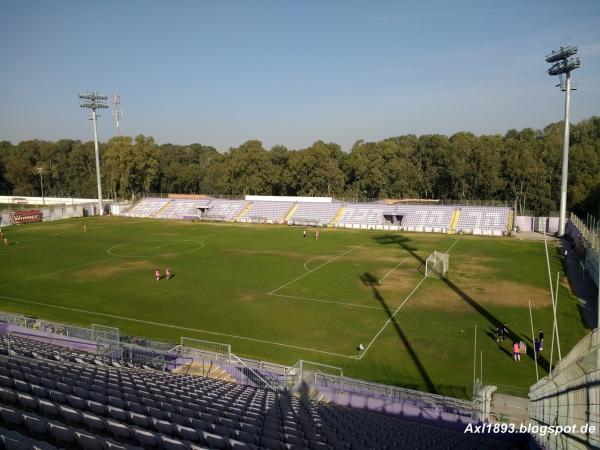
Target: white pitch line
{"x":450,"y":248}
{"x":57,"y":272}
{"x":67,"y":269}
{"x":391,"y":318}
{"x":166,"y":325}
{"x":390,"y":272}
{"x":312,"y":259}
{"x":318,"y":267}
{"x":398,"y":309}
{"x":325,"y":301}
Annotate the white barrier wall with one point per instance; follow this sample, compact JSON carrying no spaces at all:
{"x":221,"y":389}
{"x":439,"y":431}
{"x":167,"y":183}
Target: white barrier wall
{"x":529,"y":223}
{"x":276,"y":198}
{"x":525,"y":223}
{"x":46,"y":200}
{"x":570,"y":396}
{"x":4,"y":220}
{"x":118,"y":208}
{"x":57,"y":212}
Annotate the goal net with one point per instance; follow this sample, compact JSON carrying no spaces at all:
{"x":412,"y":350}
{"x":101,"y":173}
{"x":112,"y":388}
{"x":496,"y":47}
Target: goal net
{"x":437,"y":264}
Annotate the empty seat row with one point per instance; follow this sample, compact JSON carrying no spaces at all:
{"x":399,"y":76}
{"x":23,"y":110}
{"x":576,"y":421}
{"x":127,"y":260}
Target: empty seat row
{"x":267,"y":212}
{"x":47,"y":404}
{"x":315,"y":213}
{"x":147,"y":207}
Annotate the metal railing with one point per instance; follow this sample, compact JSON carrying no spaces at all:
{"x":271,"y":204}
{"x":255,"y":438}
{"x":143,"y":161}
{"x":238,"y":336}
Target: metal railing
{"x":100,"y":349}
{"x":591,"y":242}
{"x":570,"y":395}
{"x":36,"y":324}
{"x":247,"y":371}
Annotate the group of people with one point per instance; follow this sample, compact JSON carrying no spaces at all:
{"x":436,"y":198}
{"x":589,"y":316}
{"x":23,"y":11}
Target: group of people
{"x":501,"y":333}
{"x":519,"y":346}
{"x":168,"y":274}
{"x":316,"y":234}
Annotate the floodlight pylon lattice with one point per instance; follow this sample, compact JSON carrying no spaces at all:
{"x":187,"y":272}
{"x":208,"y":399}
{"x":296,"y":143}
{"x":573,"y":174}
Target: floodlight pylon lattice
{"x":118,"y":112}
{"x":564,"y":62}
{"x":94,"y":101}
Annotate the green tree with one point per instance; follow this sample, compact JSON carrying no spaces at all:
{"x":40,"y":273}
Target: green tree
{"x":317,"y":170}
{"x":246,"y":169}
{"x":130,"y":168}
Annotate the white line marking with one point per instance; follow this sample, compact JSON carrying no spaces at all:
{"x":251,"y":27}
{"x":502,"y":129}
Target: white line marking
{"x":318,"y":267}
{"x":56,"y":272}
{"x":146,"y":249}
{"x":325,"y":301}
{"x":398,"y":309}
{"x":390,"y":272}
{"x":166,"y":325}
{"x":131,"y":255}
{"x":450,"y":248}
{"x":92,"y":263}
{"x":312,"y":259}
{"x":391,"y":318}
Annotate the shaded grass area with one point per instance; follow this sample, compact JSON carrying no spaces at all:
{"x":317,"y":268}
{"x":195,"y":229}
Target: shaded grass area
{"x":332,"y":294}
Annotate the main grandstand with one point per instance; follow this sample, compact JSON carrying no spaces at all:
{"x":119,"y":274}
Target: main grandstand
{"x":327,"y":212}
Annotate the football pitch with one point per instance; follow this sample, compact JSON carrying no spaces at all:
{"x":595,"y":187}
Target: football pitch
{"x":275,"y":295}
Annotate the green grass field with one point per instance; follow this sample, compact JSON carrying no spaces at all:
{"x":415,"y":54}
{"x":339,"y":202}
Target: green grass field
{"x":276,"y":296}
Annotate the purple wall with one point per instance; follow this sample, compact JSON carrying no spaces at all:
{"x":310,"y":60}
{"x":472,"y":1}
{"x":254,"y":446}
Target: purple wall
{"x":410,"y":411}
{"x":49,"y":338}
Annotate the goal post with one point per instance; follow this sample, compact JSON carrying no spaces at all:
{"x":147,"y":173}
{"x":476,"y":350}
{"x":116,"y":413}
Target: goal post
{"x":437,"y":264}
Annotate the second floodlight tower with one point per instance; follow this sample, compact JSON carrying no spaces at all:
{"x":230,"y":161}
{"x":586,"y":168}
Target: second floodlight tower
{"x":94,"y":101}
{"x":563,"y":63}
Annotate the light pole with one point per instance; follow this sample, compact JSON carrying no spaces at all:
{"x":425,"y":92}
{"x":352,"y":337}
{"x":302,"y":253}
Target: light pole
{"x":94,"y":101}
{"x":564,"y":63}
{"x":40,"y":170}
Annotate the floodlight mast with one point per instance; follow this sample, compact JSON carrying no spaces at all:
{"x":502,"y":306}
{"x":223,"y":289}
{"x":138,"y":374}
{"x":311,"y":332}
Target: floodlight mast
{"x":118,"y":113}
{"x":564,"y":63}
{"x":94,"y":101}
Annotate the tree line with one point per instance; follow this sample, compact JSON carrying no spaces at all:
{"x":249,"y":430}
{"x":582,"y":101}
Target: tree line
{"x":521,"y":168}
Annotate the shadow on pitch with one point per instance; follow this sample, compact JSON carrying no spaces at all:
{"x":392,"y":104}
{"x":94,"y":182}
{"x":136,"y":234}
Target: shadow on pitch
{"x":404,"y":243}
{"x":372,"y":281}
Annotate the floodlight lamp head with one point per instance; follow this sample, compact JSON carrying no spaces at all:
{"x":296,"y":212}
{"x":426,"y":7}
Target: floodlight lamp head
{"x":562,"y":53}
{"x":564,"y":66}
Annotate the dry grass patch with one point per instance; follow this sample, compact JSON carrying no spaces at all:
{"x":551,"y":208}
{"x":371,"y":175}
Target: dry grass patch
{"x":247,"y":296}
{"x":499,"y":294}
{"x":105,"y":271}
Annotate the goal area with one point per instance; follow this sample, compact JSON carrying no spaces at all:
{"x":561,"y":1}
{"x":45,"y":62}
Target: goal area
{"x":437,"y":264}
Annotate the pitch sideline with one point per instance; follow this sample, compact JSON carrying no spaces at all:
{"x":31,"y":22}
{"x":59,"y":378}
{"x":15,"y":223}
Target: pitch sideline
{"x":176,"y":327}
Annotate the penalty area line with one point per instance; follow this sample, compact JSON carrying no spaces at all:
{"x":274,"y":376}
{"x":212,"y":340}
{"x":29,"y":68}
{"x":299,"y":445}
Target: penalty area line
{"x":310,"y":260}
{"x":318,"y":267}
{"x":176,"y":327}
{"x":324,"y":301}
{"x":390,"y":272}
{"x":391,"y":318}
{"x":398,"y":309}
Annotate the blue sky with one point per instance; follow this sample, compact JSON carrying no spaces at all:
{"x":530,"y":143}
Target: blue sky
{"x":291,"y":72}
